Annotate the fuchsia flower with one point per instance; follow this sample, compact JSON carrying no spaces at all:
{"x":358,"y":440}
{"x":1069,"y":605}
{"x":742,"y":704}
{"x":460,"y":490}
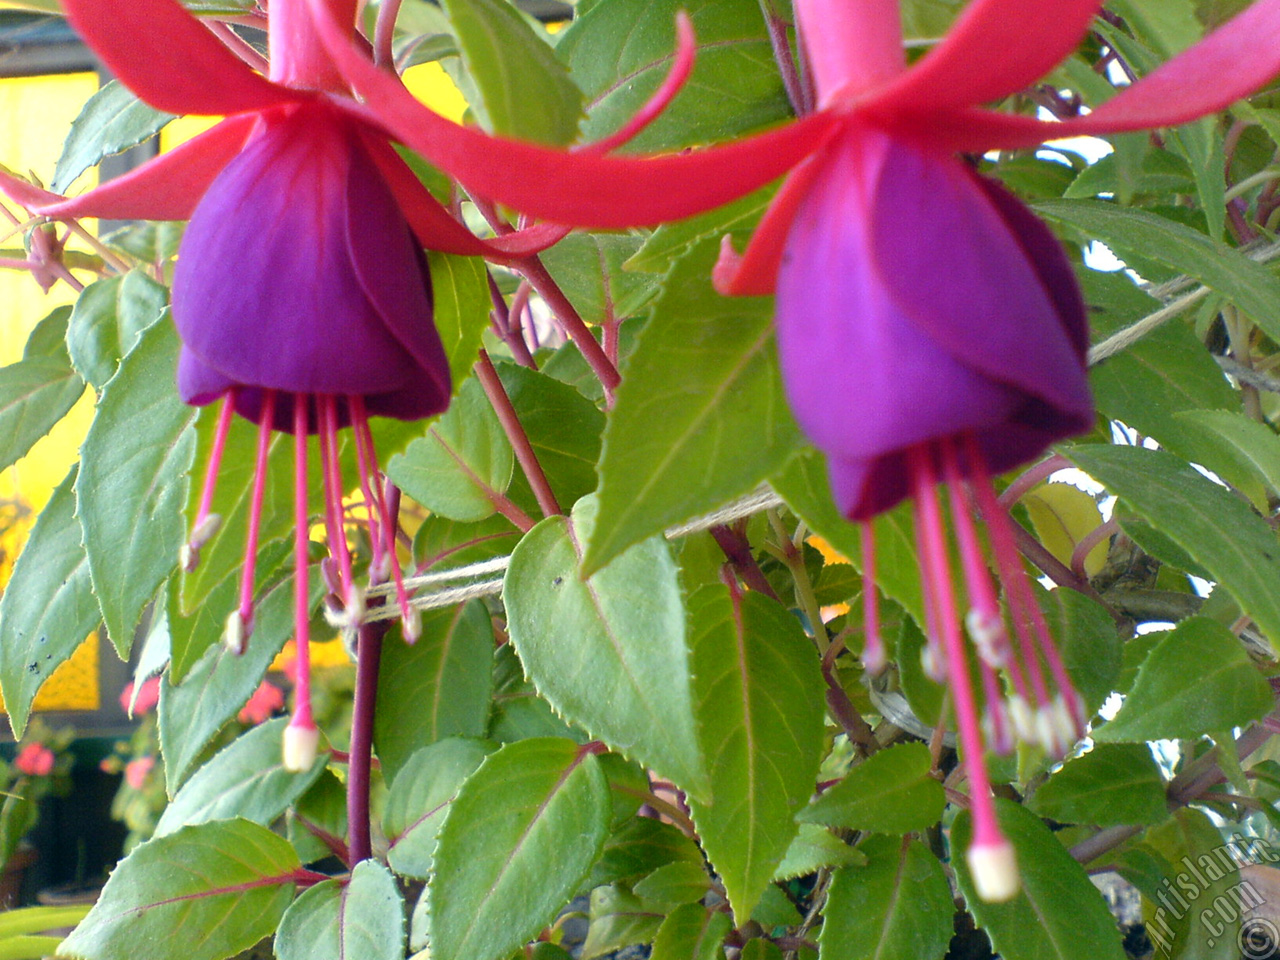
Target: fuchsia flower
{"x":148,"y":697}
{"x":266,"y":700}
{"x":35,"y":760}
{"x":929,"y":326}
{"x":136,"y":771}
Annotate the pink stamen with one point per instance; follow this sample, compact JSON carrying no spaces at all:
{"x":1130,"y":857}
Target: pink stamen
{"x":373,"y":502}
{"x":255,"y":513}
{"x":873,"y":652}
{"x":328,"y":413}
{"x":935,"y":666}
{"x":1014,"y":575}
{"x":986,"y":831}
{"x":300,"y":735}
{"x":202,"y":529}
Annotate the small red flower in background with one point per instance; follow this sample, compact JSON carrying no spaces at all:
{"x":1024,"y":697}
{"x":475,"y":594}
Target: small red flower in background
{"x":148,"y":697}
{"x":266,"y":700}
{"x":135,"y":771}
{"x":35,"y":760}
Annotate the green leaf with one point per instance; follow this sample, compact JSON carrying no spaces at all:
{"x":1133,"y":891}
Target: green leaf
{"x":814,"y":849}
{"x":691,"y":932}
{"x":1198,"y":679}
{"x":519,"y":839}
{"x":619,"y":51}
{"x":760,"y":949}
{"x":608,"y":652}
{"x":518,"y":712}
{"x":357,"y":919}
{"x":1252,"y":287}
{"x":889,"y":792}
{"x":1232,"y":542}
{"x":107,"y":321}
{"x":563,"y":428}
{"x":590,"y":269}
{"x":1058,"y":915}
{"x":673,"y":884}
{"x":760,"y":709}
{"x":898,"y":905}
{"x":223,"y":886}
{"x":641,"y":846}
{"x":191,"y":713}
{"x":245,"y":779}
{"x":113,"y":120}
{"x":438,"y":687}
{"x":22,"y":920}
{"x":34,"y":395}
{"x":48,"y":606}
{"x":1112,"y":784}
{"x":803,"y":485}
{"x":460,"y":308}
{"x":420,"y":797}
{"x":1254,"y":442}
{"x":149,"y":241}
{"x":462,"y":463}
{"x":321,"y":810}
{"x":700,"y":417}
{"x":516,"y":86}
{"x":133,"y":481}
{"x":49,"y":336}
{"x":619,"y":919}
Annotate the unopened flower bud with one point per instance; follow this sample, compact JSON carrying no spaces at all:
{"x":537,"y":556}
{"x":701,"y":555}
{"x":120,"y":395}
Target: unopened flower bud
{"x":994,"y":868}
{"x":299,"y":749}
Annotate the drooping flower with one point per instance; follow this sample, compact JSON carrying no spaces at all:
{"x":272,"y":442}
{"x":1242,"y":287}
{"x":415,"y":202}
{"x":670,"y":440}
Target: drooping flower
{"x":35,"y":760}
{"x":301,"y":295}
{"x":930,"y":330}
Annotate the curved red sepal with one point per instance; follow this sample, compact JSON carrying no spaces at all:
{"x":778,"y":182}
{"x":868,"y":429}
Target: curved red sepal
{"x":163,"y":54}
{"x":607,"y":192}
{"x":996,"y":48}
{"x":755,"y":273}
{"x":166,"y":188}
{"x":437,"y":230}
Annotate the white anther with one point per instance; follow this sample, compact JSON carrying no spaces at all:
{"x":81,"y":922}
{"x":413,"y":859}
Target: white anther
{"x":994,"y":868}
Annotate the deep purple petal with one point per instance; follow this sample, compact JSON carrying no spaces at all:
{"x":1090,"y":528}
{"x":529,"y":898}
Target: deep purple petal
{"x":915,"y":302}
{"x":273,"y":283}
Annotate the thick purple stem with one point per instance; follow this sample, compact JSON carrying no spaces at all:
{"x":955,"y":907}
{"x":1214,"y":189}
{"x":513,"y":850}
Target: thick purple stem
{"x":368,"y":659}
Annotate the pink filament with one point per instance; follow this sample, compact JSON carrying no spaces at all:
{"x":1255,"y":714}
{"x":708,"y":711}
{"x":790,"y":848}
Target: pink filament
{"x":873,"y":652}
{"x":301,"y":560}
{"x":332,"y":471}
{"x":923,"y":479}
{"x":368,"y":456}
{"x":255,"y":510}
{"x":215,"y":458}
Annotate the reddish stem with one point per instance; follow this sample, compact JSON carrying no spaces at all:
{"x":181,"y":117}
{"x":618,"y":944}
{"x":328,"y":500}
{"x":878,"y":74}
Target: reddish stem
{"x":514,"y":430}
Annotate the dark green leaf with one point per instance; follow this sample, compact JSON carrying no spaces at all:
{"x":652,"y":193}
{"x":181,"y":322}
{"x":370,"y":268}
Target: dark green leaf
{"x":641,"y":846}
{"x":1058,"y":915}
{"x":691,"y":932}
{"x":1197,"y":680}
{"x":48,"y":606}
{"x":358,"y":919}
{"x":1112,"y":784}
{"x":760,"y":711}
{"x":608,"y":652}
{"x":889,"y":792}
{"x":700,"y":417}
{"x":814,"y":849}
{"x":133,"y":481}
{"x":673,"y":884}
{"x":520,"y":837}
{"x":223,"y":886}
{"x":618,"y":919}
{"x":113,"y":120}
{"x":898,"y":905}
{"x":438,"y":687}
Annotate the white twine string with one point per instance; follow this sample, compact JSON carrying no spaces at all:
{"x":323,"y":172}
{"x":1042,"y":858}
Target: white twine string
{"x":449,"y":592}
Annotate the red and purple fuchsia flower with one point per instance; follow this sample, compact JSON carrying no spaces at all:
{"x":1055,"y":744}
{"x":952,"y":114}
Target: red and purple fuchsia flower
{"x":930,"y":329}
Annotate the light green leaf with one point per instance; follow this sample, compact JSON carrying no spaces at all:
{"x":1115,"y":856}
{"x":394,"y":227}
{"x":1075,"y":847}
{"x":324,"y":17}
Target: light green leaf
{"x":691,"y":932}
{"x":898,"y":905}
{"x":1232,"y":543}
{"x":460,"y":308}
{"x":113,"y":120}
{"x":463,"y":462}
{"x":438,"y":687}
{"x":700,"y":417}
{"x":245,"y":779}
{"x":420,"y":797}
{"x":673,"y":884}
{"x":1198,"y":679}
{"x":1112,"y":784}
{"x":619,"y":51}
{"x":1252,"y":287}
{"x":107,"y":321}
{"x":34,"y":395}
{"x":889,"y":792}
{"x":608,"y":652}
{"x":48,"y":606}
{"x":520,"y":837}
{"x":133,"y":481}
{"x":223,"y":885}
{"x":1255,"y":442}
{"x":619,"y":919}
{"x":673,"y":241}
{"x":814,"y":849}
{"x":514,"y":82}
{"x":760,"y":708}
{"x":1058,"y":915}
{"x":358,"y":919}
